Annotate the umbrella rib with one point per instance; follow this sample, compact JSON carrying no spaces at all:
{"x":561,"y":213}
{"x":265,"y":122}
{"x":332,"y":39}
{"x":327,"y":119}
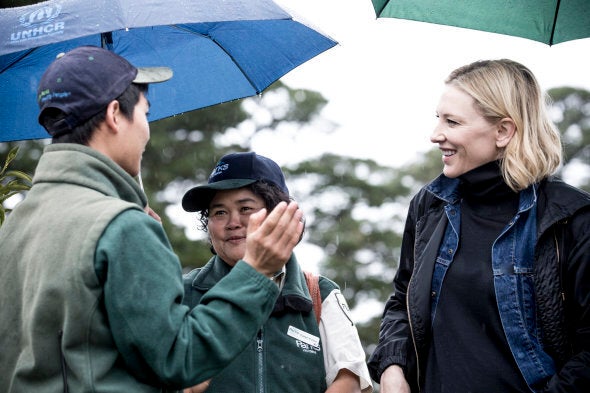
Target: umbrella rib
{"x":226,"y":52}
{"x":554,"y":22}
{"x":27,"y":53}
{"x":382,"y":8}
{"x":106,"y":40}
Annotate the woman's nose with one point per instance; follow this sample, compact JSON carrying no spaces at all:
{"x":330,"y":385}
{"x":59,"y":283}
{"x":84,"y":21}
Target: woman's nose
{"x":233,"y":220}
{"x":437,"y":135}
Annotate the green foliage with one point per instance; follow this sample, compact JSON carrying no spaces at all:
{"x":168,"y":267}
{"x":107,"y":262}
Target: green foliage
{"x":183,"y":150}
{"x":356,"y":212}
{"x":572,"y":116}
{"x":355,"y":208}
{"x":12,"y":182}
{"x":181,"y":153}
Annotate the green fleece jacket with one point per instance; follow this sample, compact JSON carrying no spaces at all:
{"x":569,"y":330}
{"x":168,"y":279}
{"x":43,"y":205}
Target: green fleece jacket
{"x":92,"y":292}
{"x":287,"y":354}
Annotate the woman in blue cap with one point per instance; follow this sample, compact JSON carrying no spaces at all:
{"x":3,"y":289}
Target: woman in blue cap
{"x":294,"y":351}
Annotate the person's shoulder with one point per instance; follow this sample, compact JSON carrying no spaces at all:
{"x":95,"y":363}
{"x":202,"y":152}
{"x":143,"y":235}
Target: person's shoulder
{"x":134,"y":222}
{"x":424,"y":196}
{"x":327,"y":286}
{"x":424,"y":200}
{"x":554,"y":191}
{"x":562,"y":202}
{"x":133,"y":214}
{"x":556,"y":185}
{"x":328,"y":283}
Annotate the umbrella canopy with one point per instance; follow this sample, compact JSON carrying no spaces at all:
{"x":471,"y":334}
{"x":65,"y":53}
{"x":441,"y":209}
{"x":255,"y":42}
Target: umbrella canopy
{"x":219,"y":50}
{"x":547,"y":21}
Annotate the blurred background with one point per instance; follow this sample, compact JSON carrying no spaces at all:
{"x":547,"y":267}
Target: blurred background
{"x":350,"y":129}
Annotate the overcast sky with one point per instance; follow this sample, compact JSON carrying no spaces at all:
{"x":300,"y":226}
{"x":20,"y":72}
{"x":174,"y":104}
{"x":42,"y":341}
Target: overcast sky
{"x":384,"y":78}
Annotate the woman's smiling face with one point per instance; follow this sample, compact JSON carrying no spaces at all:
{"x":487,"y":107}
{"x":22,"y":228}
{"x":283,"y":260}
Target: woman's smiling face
{"x":229,"y":213}
{"x":467,"y":140}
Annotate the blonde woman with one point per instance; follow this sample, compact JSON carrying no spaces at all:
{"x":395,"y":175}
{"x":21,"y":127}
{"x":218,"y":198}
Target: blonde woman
{"x":494,"y":279}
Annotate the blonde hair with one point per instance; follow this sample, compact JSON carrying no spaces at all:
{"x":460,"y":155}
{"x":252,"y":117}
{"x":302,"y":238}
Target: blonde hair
{"x":506,"y":89}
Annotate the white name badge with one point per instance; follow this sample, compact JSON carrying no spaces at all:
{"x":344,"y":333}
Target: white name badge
{"x":303,"y":336}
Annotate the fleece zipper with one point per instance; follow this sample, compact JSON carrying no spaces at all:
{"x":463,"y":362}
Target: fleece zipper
{"x":260,"y":361}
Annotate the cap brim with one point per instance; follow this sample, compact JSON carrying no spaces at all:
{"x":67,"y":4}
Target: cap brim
{"x":199,"y":197}
{"x":153,"y":74}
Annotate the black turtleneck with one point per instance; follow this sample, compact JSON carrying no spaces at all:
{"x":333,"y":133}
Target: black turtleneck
{"x":468,"y":351}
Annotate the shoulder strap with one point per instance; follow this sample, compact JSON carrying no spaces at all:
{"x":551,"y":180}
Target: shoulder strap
{"x":312,"y":281}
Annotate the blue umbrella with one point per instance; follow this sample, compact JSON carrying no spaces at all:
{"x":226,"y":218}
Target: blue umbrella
{"x":219,"y":50}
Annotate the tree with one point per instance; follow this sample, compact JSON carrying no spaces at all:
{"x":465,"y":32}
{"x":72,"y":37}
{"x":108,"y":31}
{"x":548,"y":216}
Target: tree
{"x":12,"y":182}
{"x":356,"y":212}
{"x":184,"y":149}
{"x":571,"y":112}
{"x":355,"y":209}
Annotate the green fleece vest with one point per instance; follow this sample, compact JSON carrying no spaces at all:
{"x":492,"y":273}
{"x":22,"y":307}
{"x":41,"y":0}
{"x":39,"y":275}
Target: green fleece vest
{"x":51,"y":297}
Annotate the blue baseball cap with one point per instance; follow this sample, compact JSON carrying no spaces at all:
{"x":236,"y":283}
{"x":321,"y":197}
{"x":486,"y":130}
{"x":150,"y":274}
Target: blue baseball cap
{"x":235,"y":170}
{"x":83,"y":81}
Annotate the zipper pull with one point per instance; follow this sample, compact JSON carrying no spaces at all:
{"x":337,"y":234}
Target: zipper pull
{"x":259,"y":347}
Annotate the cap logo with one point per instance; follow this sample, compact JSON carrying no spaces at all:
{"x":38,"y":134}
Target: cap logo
{"x":48,"y":95}
{"x":39,"y":23}
{"x":221,"y":166}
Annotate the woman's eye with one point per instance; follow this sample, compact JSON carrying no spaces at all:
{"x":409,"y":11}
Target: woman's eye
{"x":249,"y":209}
{"x":451,"y":122}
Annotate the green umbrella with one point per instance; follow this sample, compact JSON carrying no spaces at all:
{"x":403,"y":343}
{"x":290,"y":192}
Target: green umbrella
{"x":547,"y":21}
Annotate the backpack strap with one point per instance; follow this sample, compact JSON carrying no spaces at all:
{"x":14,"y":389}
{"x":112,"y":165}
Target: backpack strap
{"x":312,"y":281}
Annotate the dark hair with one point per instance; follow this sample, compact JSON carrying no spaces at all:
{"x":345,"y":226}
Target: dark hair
{"x":82,"y":133}
{"x":270,"y":194}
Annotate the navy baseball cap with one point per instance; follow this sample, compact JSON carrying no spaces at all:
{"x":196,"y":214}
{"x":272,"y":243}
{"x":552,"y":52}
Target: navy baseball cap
{"x":233,"y":171}
{"x":83,"y":81}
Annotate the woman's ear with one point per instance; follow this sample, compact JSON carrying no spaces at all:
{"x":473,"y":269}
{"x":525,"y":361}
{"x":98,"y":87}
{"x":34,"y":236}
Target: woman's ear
{"x":505,"y":132}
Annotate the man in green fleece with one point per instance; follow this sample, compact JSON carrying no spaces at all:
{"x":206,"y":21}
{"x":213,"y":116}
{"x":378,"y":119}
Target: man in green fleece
{"x":91,"y":289}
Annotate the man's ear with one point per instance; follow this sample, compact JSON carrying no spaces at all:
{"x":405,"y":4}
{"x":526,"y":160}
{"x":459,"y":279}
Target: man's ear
{"x":113,"y":116}
{"x":505,"y":132}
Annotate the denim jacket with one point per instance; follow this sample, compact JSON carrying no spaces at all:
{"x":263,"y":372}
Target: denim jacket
{"x":513,"y":266}
{"x":561,"y":284}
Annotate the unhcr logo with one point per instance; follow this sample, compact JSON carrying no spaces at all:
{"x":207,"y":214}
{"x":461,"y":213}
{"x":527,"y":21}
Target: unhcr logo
{"x":39,"y":23}
{"x":42,"y":15}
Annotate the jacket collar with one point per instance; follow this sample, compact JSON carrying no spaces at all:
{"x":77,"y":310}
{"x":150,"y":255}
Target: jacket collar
{"x":557,"y":200}
{"x":294,"y":295}
{"x":81,"y":165}
{"x":445,"y":188}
